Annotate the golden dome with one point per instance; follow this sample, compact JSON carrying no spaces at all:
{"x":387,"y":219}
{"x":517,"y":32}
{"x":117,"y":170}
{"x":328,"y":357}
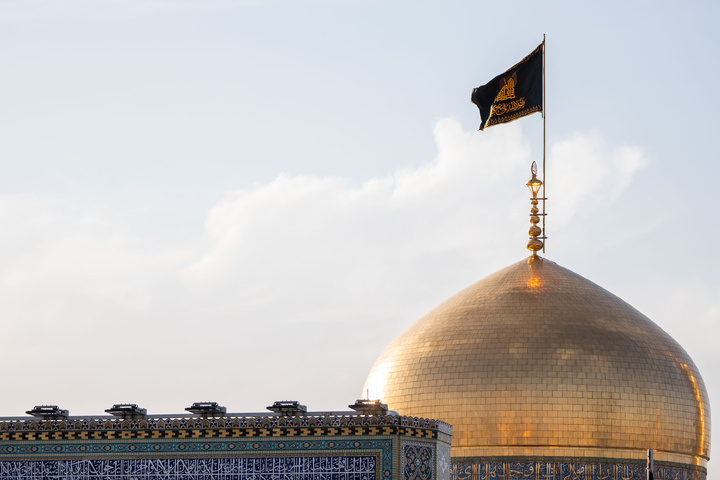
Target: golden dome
{"x":535,"y":360}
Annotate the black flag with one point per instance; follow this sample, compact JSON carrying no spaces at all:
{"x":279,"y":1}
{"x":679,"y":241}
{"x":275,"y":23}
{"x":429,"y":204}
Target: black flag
{"x":513,"y":94}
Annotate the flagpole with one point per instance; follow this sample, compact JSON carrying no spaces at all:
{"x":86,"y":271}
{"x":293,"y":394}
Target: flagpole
{"x":543,"y":169}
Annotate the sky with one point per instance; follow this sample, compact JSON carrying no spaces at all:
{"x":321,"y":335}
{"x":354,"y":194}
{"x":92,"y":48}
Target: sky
{"x":246,"y":201}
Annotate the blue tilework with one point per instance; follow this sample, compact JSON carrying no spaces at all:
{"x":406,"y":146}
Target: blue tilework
{"x":443,"y":461}
{"x":19,"y":455}
{"x":273,"y":468}
{"x":417,"y":461}
{"x":517,"y":470}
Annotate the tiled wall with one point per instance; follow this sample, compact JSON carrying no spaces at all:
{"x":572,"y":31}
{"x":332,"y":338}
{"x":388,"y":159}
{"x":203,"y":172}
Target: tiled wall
{"x":285,"y":468}
{"x":560,"y":470}
{"x":324,"y":447}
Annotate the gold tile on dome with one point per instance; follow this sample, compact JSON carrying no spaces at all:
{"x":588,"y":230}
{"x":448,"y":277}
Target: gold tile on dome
{"x":567,"y":364}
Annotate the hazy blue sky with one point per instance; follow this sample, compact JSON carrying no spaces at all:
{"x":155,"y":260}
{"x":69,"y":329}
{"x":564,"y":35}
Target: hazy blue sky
{"x":246,"y":201}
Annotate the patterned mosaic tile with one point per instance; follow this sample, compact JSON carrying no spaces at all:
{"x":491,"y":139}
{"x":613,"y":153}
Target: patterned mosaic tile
{"x":417,"y":461}
{"x":181,"y":432}
{"x":230,"y":421}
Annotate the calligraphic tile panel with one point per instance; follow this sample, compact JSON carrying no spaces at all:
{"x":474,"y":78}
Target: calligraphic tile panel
{"x":243,"y":468}
{"x":563,"y":470}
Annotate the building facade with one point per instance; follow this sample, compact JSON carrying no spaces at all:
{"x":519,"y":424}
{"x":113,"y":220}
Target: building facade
{"x":273,"y":446}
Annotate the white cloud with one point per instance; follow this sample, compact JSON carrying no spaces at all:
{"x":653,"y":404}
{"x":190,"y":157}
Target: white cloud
{"x":304,"y":277}
{"x":325,"y":239}
{"x":584,"y":171}
{"x":468,"y":202}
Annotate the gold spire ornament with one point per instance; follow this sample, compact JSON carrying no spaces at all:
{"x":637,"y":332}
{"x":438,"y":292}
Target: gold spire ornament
{"x":534,"y":184}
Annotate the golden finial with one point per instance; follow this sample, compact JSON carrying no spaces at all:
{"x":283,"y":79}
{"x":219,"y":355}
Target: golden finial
{"x":534,"y":184}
